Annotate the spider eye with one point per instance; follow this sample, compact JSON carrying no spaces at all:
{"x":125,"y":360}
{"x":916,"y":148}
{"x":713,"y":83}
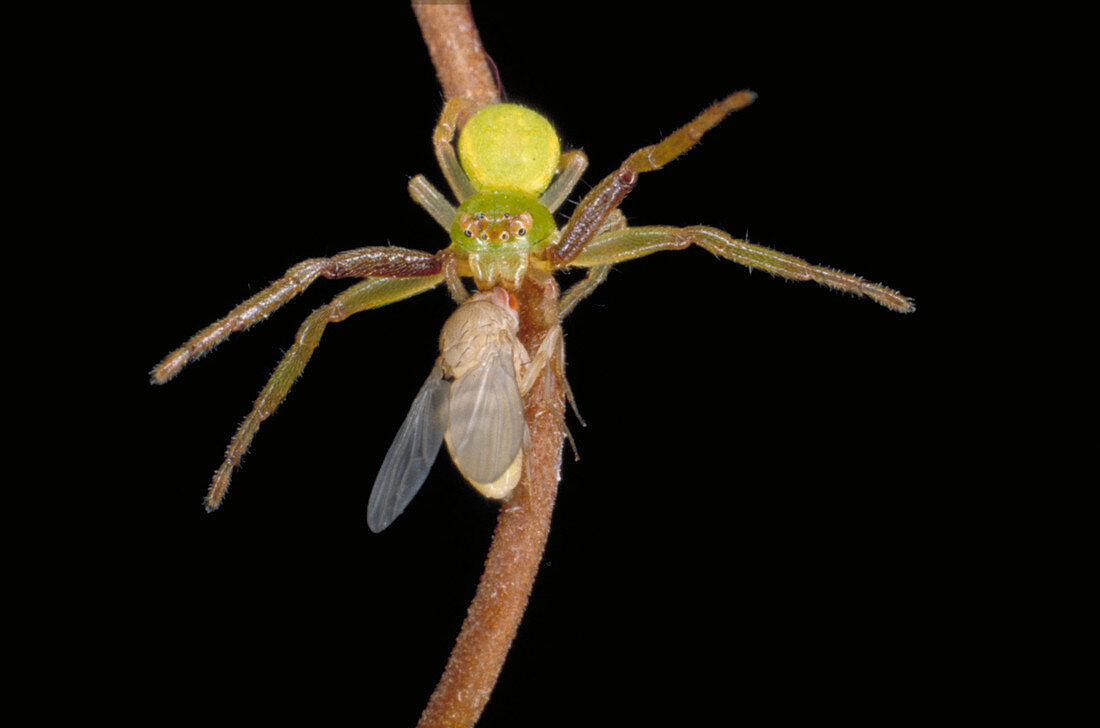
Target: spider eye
{"x":504,"y":237}
{"x":521,"y":232}
{"x":484,"y":237}
{"x":468,"y":233}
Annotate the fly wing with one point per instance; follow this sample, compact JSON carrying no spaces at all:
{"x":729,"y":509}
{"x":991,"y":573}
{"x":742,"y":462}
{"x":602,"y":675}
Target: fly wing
{"x":485,"y":428}
{"x":412,"y":453}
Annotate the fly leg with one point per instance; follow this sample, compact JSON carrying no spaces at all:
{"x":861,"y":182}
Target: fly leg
{"x":551,"y":353}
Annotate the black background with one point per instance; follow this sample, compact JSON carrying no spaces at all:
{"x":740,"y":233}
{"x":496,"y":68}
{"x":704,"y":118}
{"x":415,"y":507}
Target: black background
{"x":751,"y":527}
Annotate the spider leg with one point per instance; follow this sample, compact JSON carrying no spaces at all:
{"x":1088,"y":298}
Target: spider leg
{"x":628,"y":243}
{"x":597,"y":272}
{"x":427,"y":196}
{"x":590,"y":214}
{"x":432,"y":200}
{"x":370,"y":293}
{"x":455,"y":113}
{"x":570,"y":168}
{"x":358,"y":263}
{"x":583,"y":288}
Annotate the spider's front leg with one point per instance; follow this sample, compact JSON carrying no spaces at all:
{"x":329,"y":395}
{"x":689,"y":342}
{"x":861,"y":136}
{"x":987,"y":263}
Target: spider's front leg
{"x":591,"y":214}
{"x":392,"y":274}
{"x":359,"y":263}
{"x":591,"y":240}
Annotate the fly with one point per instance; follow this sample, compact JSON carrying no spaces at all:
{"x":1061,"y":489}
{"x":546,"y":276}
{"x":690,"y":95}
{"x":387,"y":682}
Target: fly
{"x":473,"y":401}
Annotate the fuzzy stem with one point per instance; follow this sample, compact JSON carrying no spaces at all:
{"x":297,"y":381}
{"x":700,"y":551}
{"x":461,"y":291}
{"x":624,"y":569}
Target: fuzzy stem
{"x":455,"y":48}
{"x":524,"y":522}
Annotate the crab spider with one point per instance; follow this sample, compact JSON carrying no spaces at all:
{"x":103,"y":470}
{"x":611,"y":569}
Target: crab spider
{"x":508,"y":176}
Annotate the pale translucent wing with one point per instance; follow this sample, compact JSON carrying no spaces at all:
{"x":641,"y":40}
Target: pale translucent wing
{"x":485,"y":427}
{"x":411,"y":455}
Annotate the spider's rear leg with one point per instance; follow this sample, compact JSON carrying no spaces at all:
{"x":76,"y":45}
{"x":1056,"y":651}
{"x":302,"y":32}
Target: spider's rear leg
{"x":358,"y":263}
{"x":628,"y":243}
{"x":597,"y":273}
{"x":455,"y":113}
{"x":370,"y":293}
{"x":432,"y":200}
{"x":570,"y":168}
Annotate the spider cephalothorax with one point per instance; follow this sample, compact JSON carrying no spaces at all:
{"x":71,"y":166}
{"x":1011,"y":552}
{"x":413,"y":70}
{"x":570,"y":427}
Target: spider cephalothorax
{"x":495,"y":233}
{"x":496,"y":228}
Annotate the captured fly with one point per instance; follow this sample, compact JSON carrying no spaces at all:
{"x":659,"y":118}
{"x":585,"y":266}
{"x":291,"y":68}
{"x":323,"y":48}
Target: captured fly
{"x":473,"y":401}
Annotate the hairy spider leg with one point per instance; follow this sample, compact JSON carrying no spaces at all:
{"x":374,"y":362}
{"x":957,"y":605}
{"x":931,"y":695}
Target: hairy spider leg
{"x":587,"y":241}
{"x":358,"y":263}
{"x":371,"y":293}
{"x":619,"y":245}
{"x":592,"y":211}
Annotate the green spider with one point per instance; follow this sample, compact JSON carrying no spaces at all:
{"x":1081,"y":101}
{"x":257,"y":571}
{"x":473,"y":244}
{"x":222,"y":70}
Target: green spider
{"x":509,"y":177}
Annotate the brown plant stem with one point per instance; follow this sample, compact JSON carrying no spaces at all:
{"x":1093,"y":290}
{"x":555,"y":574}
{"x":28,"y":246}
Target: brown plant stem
{"x":524,"y":521}
{"x":455,"y":48}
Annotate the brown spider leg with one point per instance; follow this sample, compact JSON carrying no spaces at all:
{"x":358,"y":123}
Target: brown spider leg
{"x":370,"y":293}
{"x":619,"y":245}
{"x":359,"y":263}
{"x":588,"y":218}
